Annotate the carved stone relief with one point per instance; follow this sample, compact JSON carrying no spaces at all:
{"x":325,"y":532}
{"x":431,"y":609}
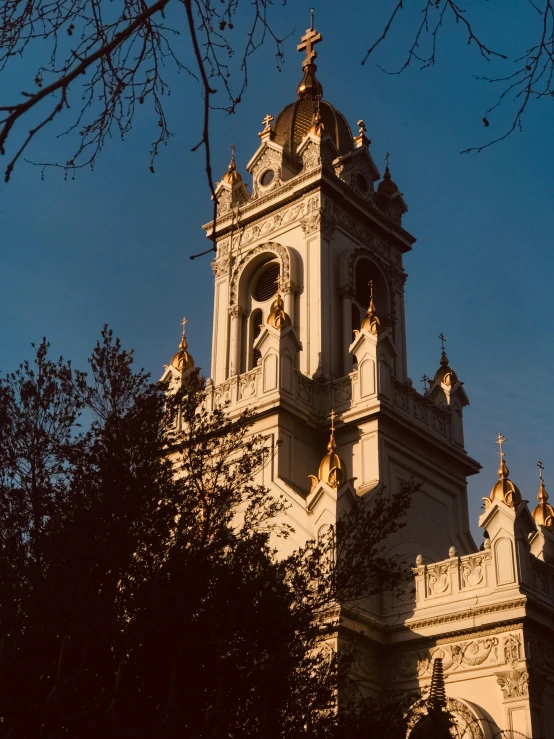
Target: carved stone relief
{"x":514,"y":683}
{"x":473,"y":571}
{"x":438,"y":581}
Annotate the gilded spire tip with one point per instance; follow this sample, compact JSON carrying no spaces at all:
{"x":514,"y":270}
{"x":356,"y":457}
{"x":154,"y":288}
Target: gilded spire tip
{"x":310,"y":87}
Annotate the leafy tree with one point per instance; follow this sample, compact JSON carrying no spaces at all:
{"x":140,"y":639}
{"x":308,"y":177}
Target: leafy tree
{"x":142,"y":591}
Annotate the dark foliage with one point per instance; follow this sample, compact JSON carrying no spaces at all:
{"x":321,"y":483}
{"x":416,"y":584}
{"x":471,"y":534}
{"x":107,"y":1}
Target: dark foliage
{"x":141,"y":591}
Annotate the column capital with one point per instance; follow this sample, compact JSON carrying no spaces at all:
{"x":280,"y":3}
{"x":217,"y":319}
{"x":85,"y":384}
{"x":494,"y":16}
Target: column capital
{"x":237,"y":311}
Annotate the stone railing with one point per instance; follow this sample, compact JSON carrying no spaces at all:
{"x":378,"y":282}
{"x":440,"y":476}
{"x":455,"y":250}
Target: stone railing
{"x":453,"y":576}
{"x":420,"y":409}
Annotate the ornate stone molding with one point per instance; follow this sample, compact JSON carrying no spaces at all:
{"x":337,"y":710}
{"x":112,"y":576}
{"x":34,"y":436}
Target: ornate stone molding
{"x":236,"y":311}
{"x":461,"y":615}
{"x":271,"y":223}
{"x":318,"y":220}
{"x":513,"y":683}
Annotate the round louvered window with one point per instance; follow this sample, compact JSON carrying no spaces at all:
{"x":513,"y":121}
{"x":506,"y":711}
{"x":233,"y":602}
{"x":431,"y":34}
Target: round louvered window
{"x":265,"y":286}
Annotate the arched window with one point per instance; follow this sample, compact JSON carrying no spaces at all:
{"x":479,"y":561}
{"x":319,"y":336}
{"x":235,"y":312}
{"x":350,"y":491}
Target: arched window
{"x":259,"y":291}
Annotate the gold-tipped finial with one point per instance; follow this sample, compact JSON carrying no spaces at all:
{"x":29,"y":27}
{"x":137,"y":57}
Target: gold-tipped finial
{"x":232,"y":177}
{"x":317,"y":126}
{"x":183,"y":361}
{"x":310,"y":87}
{"x":267,"y":131}
{"x":277,"y":316}
{"x":543,"y":514}
{"x":504,"y":489}
{"x":371,"y":322}
{"x":361,"y":139}
{"x":332,"y":469}
{"x":445,"y":374}
{"x":387,"y":187}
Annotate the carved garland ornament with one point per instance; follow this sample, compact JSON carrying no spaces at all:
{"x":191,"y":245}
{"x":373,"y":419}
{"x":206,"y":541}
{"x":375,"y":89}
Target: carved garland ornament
{"x":280,"y":251}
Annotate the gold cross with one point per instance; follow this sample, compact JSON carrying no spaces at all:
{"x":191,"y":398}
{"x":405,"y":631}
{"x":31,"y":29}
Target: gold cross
{"x":184,"y":326}
{"x":442,"y":337}
{"x":541,"y":468}
{"x":267,"y":122}
{"x":233,"y":149}
{"x":308,"y":41}
{"x":332,"y":416}
{"x":370,"y":283}
{"x":500,"y":440}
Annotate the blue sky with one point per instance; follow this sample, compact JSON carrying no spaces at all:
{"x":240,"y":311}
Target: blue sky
{"x":113,"y":246}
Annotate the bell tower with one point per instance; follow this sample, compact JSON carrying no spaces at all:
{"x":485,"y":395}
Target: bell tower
{"x":309,"y":319}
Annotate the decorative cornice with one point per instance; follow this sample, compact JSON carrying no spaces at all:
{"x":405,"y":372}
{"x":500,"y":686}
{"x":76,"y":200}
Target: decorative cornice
{"x":461,"y":615}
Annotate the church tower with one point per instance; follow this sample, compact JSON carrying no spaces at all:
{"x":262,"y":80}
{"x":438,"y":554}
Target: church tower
{"x":309,"y":318}
{"x":309,"y":328}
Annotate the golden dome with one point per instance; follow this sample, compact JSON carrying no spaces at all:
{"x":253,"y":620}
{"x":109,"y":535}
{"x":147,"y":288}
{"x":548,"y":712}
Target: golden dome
{"x":543,"y":514}
{"x":182,"y":361}
{"x":504,"y":489}
{"x":296,"y":119}
{"x":332,"y":469}
{"x":445,"y":374}
{"x":232,"y":177}
{"x":277,"y":317}
{"x":371,"y":323}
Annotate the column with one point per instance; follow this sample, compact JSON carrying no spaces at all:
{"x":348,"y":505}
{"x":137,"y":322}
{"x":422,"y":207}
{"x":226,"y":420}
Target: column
{"x":236,"y":313}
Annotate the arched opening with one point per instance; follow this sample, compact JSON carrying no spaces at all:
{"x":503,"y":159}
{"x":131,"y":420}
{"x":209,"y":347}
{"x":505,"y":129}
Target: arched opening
{"x":257,"y":290}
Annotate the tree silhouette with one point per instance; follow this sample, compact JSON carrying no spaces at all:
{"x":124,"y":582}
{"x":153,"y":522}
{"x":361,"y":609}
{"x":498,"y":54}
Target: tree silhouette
{"x":142,"y":594}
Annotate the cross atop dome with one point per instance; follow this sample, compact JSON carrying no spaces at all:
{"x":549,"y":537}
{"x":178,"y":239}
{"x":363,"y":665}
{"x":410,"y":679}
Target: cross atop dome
{"x":310,"y":87}
{"x":308,"y":41}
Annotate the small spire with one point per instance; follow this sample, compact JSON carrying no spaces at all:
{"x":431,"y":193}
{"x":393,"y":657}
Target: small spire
{"x":317,"y":126}
{"x":503,"y":470}
{"x":310,"y":87}
{"x":425,"y":379}
{"x":543,"y":495}
{"x":277,"y":316}
{"x":445,"y":374}
{"x":182,"y":360}
{"x":332,"y":469}
{"x":504,"y":489}
{"x":184,"y":345}
{"x":361,"y":139}
{"x":387,"y":186}
{"x":267,"y":131}
{"x":232,"y":177}
{"x":543,"y":514}
{"x":371,"y":322}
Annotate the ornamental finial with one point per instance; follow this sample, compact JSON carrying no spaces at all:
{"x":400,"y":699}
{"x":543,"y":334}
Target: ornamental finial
{"x":371,"y":322}
{"x":310,"y":87}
